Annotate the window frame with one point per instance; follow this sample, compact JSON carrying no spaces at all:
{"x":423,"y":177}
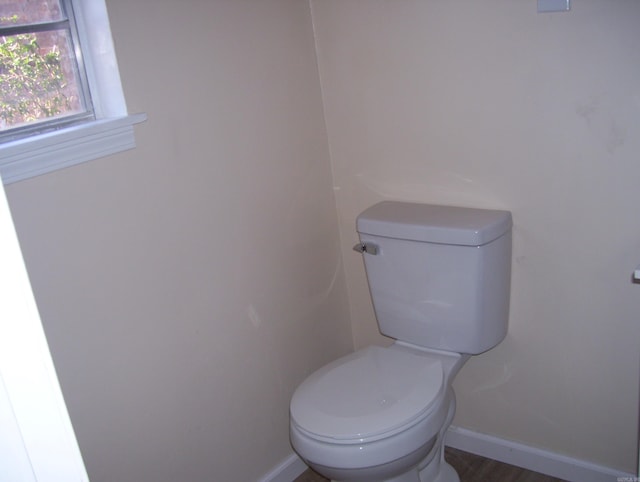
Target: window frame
{"x":112,"y":129}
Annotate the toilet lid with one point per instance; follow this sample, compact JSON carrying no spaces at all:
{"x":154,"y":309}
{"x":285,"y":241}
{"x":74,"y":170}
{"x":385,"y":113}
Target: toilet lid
{"x":371,"y":392}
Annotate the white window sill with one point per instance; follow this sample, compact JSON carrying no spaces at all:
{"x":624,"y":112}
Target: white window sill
{"x":36,"y":155}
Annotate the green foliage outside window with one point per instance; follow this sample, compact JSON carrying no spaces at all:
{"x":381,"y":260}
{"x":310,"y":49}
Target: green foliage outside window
{"x":32,"y":81}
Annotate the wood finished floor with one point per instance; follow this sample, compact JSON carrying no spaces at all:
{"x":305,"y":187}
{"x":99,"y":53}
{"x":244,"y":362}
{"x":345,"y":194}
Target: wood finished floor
{"x":470,"y":468}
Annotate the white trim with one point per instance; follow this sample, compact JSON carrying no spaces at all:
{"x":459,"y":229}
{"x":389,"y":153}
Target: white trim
{"x":55,"y":150}
{"x":286,"y":471}
{"x":531,"y":458}
{"x":502,"y":450}
{"x":99,"y":55}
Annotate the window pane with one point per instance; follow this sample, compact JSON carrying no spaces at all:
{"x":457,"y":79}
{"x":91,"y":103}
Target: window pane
{"x":38,"y":79}
{"x":19,"y":12}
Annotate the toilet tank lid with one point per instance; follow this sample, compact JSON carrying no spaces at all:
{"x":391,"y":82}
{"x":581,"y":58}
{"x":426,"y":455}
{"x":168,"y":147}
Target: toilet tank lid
{"x":434,"y":223}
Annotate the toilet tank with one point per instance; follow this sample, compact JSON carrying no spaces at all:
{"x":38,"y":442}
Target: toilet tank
{"x":439,"y":276}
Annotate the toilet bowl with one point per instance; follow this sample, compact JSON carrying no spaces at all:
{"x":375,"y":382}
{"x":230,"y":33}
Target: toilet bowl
{"x":439,"y":278}
{"x":376,"y":414}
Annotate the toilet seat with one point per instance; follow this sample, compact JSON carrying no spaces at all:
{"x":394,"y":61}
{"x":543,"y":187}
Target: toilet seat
{"x":368,"y":395}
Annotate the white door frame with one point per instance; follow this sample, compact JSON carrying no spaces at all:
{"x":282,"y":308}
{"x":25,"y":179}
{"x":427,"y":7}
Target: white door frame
{"x":37,"y":442}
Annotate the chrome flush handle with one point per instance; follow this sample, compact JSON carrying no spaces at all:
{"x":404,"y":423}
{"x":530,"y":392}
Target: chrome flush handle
{"x":366,"y":248}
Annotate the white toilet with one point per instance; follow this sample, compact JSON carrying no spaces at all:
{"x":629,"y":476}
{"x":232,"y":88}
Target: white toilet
{"x":439,"y":279}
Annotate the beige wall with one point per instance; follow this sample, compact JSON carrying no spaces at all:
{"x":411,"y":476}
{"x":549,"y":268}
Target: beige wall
{"x":187,"y":286}
{"x":489,"y":104}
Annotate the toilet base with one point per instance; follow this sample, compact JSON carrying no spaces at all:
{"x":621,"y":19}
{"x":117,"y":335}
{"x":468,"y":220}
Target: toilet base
{"x":446,"y":474}
{"x":437,"y":469}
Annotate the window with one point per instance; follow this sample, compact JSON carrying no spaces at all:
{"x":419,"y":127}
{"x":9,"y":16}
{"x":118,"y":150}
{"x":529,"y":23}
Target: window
{"x":61,"y":100}
{"x":43,"y":83}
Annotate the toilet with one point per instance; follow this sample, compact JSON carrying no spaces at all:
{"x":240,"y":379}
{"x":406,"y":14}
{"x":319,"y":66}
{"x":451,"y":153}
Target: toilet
{"x":439,"y":278}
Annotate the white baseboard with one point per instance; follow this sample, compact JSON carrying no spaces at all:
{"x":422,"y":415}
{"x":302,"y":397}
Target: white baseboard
{"x":531,"y":458}
{"x":286,"y":471}
{"x":502,"y":450}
